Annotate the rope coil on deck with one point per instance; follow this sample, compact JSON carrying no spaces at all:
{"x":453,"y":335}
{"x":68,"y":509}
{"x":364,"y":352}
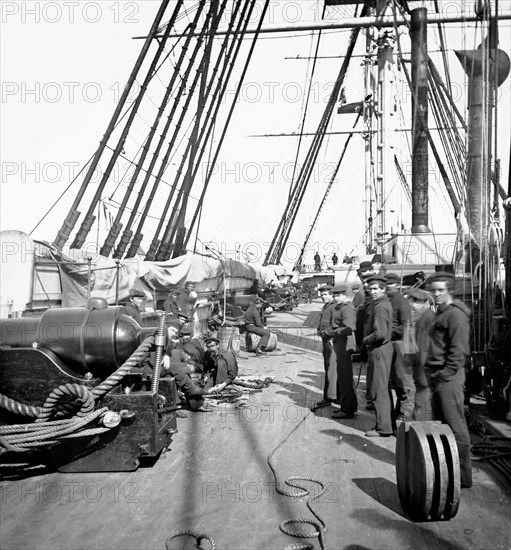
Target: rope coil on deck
{"x":318,"y":524}
{"x":198,"y":537}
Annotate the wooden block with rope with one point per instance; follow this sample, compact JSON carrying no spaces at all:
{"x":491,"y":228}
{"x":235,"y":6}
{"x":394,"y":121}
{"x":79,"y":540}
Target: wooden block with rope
{"x":428,"y":470}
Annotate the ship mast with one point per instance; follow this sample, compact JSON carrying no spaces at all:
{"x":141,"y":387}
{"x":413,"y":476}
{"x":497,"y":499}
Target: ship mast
{"x":384,"y":125}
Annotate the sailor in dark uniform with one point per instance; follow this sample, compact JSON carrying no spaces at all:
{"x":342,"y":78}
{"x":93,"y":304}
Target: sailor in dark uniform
{"x":326,"y":332}
{"x":221,"y":366}
{"x":344,"y":321}
{"x":254,"y":324}
{"x":377,"y":336}
{"x":135,"y":306}
{"x":358,"y":297}
{"x":317,"y":262}
{"x":449,"y":352}
{"x":401,"y":376}
{"x":170,"y":305}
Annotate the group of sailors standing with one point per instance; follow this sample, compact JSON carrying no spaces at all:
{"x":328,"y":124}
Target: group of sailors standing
{"x":416,"y":343}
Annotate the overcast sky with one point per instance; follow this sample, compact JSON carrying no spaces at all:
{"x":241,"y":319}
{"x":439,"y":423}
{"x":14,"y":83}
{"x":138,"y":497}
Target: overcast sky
{"x":63,"y":65}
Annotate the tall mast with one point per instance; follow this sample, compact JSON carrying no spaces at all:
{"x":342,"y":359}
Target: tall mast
{"x":384,"y":125}
{"x":420,"y":203}
{"x":368,"y":107}
{"x":487,"y":68}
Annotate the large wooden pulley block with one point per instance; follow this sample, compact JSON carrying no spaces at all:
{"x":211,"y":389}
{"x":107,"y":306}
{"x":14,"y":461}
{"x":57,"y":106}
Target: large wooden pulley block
{"x":427,"y":470}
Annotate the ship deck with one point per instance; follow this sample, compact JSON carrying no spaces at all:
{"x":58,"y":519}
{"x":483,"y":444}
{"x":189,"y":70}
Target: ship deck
{"x":215,"y":478}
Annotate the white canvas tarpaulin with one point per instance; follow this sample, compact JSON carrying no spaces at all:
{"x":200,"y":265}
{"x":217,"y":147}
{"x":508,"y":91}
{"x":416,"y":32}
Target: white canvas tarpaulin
{"x":159,"y":278}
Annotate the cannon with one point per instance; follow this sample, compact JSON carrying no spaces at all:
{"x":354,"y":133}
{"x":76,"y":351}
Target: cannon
{"x":84,"y":346}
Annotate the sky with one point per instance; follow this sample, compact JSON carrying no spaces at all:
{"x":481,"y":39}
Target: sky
{"x":63,"y":65}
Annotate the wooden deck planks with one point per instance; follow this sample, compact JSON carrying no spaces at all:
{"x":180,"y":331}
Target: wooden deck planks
{"x":216,"y":479}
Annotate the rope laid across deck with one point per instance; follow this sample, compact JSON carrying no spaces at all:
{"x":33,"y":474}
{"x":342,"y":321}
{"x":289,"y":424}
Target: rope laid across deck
{"x":319,"y":524}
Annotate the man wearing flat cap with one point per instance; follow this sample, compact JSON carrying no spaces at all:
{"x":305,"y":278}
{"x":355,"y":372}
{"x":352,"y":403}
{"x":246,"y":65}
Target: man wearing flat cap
{"x":401,"y":377}
{"x":254,"y":324}
{"x":446,"y":361}
{"x":326,"y":332}
{"x":343,"y":322}
{"x":136,"y":304}
{"x":377,"y":340}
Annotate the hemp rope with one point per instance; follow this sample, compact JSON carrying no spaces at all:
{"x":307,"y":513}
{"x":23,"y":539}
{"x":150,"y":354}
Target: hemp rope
{"x":43,"y":432}
{"x":23,"y":437}
{"x":319,"y":525}
{"x":198,"y":537}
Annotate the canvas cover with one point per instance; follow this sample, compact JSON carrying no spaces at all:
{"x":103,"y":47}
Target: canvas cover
{"x":157,"y":278}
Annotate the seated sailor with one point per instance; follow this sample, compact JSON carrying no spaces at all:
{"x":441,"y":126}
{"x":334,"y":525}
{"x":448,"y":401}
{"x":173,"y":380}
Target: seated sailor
{"x":221,"y":366}
{"x":254,"y":324}
{"x":192,"y":392}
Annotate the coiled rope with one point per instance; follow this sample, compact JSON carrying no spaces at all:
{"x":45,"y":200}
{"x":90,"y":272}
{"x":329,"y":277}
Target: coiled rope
{"x":25,"y":437}
{"x":62,"y":401}
{"x":56,"y":403}
{"x":198,"y":537}
{"x":319,"y":525}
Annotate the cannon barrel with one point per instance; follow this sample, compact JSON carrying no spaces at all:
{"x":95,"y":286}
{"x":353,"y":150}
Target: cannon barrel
{"x":97,"y":338}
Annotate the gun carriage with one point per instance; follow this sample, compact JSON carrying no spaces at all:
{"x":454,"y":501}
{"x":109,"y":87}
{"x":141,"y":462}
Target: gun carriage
{"x":74,"y":364}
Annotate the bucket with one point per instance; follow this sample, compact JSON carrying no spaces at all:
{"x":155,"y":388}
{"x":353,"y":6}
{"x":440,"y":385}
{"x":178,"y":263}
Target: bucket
{"x":229,"y":339}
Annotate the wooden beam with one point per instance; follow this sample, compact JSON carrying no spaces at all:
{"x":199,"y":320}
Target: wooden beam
{"x":354,"y":22}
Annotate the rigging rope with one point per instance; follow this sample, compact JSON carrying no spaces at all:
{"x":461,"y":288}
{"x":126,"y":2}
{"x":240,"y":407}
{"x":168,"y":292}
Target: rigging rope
{"x":156,"y":241}
{"x":329,"y":187}
{"x":229,"y":116}
{"x":117,"y":226}
{"x":190,"y":30}
{"x":197,"y":132}
{"x":281,"y":236}
{"x":305,"y":107}
{"x":89,"y":216}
